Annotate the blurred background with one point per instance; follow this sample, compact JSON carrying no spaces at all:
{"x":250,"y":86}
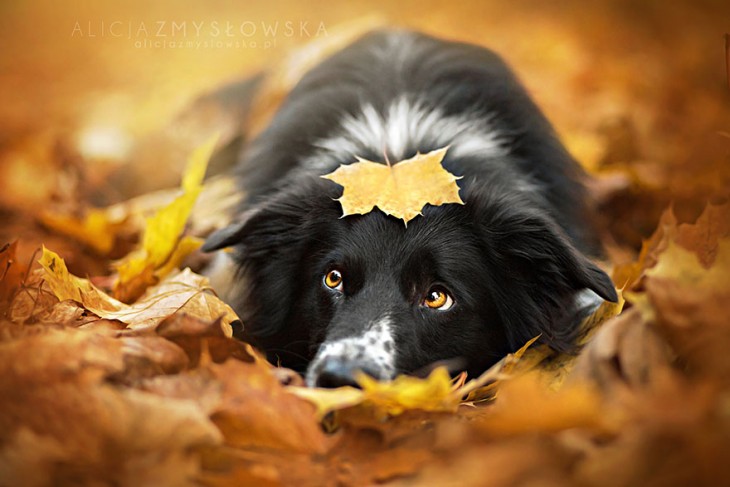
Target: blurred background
{"x":101,"y":101}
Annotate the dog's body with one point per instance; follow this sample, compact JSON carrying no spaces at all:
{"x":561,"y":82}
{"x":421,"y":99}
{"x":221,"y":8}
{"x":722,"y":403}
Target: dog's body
{"x":331,"y":295}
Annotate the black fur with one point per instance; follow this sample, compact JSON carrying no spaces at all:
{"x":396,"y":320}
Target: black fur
{"x":513,"y":257}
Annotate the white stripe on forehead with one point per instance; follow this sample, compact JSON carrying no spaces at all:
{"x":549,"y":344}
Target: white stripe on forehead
{"x":375,"y":347}
{"x":407,"y":124}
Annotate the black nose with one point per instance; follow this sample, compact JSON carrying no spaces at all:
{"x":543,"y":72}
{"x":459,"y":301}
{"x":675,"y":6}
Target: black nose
{"x":337,"y":373}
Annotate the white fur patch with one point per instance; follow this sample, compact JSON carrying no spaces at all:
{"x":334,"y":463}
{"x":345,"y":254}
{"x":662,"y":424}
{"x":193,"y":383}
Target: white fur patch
{"x":221,"y":272}
{"x":375,"y":348}
{"x":408,"y":123}
{"x":586,"y":301}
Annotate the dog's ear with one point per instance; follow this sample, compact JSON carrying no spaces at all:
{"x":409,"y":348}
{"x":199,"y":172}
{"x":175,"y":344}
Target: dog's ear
{"x":269,"y":243}
{"x":272,"y":221}
{"x":231,"y":235}
{"x":539,"y":275}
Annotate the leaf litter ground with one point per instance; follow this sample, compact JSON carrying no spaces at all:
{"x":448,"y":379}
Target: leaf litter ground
{"x":134,"y":379}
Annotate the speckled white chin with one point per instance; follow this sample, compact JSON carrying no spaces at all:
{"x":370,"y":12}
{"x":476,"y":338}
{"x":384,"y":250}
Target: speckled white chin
{"x":375,"y":347}
{"x":407,"y":123}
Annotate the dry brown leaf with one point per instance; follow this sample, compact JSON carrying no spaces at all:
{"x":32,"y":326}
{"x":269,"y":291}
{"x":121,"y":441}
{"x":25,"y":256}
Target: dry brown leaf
{"x":203,"y":338}
{"x":700,"y":237}
{"x":257,"y":412}
{"x":81,"y":427}
{"x":12,"y":274}
{"x":684,"y":267}
{"x":625,"y":352}
{"x":530,"y":460}
{"x":690,"y":304}
{"x":101,"y":435}
{"x":379,"y":458}
{"x":148,"y":356}
{"x":703,"y":236}
{"x":183,"y":292}
{"x":674,"y":435}
{"x":401,"y":189}
{"x":526,"y":404}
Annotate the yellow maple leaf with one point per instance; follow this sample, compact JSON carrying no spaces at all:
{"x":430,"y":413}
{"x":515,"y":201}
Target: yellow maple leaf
{"x":328,"y":400}
{"x":400,"y":190}
{"x":433,"y":393}
{"x":683,"y":266}
{"x":65,"y":285}
{"x":98,"y":228}
{"x":160,"y":251}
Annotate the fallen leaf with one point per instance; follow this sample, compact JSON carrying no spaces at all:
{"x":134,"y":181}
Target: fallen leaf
{"x":186,"y":246}
{"x":328,"y":400}
{"x":555,"y":368}
{"x":485,"y":386}
{"x":401,"y":189}
{"x":95,"y":434}
{"x":257,"y":412}
{"x":626,"y":352}
{"x":690,"y":305}
{"x":684,"y":266}
{"x":433,"y":393}
{"x":703,"y":236}
{"x":96,"y":228}
{"x":627,"y":275}
{"x":148,"y":356}
{"x":182,"y":292}
{"x":700,"y":237}
{"x":379,"y":458}
{"x":66,"y":286}
{"x":12,"y":274}
{"x":160,"y":250}
{"x":673,"y":434}
{"x":199,"y":336}
{"x":526,"y":404}
{"x":528,"y":460}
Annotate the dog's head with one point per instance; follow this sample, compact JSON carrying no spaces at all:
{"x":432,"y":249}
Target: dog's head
{"x":465,"y":284}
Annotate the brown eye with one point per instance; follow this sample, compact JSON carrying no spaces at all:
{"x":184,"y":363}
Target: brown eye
{"x":333,"y":279}
{"x":438,"y":299}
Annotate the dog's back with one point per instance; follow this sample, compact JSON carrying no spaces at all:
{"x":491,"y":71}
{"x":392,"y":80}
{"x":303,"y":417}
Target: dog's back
{"x":401,"y":92}
{"x":334,"y":295}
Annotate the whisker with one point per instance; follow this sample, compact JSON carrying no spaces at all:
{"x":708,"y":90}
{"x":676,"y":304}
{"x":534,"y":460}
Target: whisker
{"x":289,"y":352}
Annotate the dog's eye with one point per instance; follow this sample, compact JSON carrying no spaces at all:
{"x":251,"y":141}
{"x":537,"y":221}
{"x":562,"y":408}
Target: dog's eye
{"x":333,"y":280}
{"x":437,"y":298}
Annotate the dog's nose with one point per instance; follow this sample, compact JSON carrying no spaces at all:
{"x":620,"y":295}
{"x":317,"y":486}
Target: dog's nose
{"x":338,"y":373}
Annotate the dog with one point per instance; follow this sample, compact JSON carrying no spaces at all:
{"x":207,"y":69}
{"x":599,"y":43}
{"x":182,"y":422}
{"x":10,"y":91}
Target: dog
{"x":334,"y":296}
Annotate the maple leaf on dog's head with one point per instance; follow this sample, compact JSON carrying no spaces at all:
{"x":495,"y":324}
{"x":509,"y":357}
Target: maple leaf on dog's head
{"x":400,"y":190}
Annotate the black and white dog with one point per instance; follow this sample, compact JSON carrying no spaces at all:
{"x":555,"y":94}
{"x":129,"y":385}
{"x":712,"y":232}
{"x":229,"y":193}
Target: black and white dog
{"x":329,"y":296}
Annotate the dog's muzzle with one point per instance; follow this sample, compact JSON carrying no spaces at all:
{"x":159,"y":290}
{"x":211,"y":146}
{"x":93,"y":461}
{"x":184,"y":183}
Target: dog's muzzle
{"x":338,"y":362}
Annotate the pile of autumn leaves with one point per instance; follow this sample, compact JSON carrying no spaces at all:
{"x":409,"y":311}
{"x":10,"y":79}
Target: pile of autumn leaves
{"x":135,"y":380}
